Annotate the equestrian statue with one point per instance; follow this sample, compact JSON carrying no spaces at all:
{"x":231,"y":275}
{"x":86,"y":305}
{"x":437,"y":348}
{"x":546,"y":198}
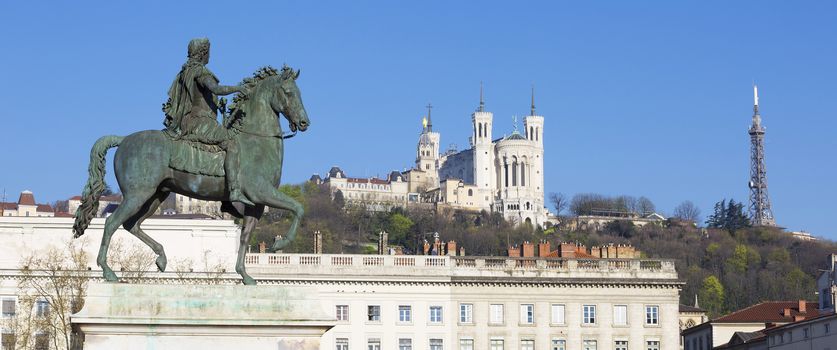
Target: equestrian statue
{"x":199,"y":157}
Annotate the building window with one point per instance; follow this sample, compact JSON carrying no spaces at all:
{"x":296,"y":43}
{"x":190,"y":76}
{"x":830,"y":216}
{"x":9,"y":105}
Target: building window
{"x":373,"y":344}
{"x":435,"y":314}
{"x":342,"y":344}
{"x":620,"y":315}
{"x":405,"y":313}
{"x":9,"y":307}
{"x":527,"y":313}
{"x":620,"y":345}
{"x":559,"y":344}
{"x":405,"y":344}
{"x":466,"y":344}
{"x":342,"y":312}
{"x":557,"y":314}
{"x":42,"y":308}
{"x":588,"y":344}
{"x":7,"y":341}
{"x":373,"y":313}
{"x":652,"y":315}
{"x":652,"y":345}
{"x":527,"y":344}
{"x":589,"y":314}
{"x":436,"y":344}
{"x":496,"y":344}
{"x":805,"y":332}
{"x":41,"y":341}
{"x":466,"y":313}
{"x":827,"y":327}
{"x":496,"y":314}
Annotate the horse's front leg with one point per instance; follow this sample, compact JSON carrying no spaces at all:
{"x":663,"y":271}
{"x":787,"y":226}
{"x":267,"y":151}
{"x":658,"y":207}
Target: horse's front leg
{"x":273,"y":198}
{"x":251,"y":217}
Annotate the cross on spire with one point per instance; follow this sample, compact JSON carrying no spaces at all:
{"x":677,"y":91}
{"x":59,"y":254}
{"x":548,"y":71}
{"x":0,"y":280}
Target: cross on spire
{"x":429,"y":121}
{"x":533,"y":100}
{"x":482,"y":100}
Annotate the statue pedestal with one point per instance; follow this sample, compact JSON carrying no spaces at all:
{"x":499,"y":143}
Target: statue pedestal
{"x":137,"y":316}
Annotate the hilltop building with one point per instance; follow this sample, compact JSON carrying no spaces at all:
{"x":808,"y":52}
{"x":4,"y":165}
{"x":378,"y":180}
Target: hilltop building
{"x":504,"y":174}
{"x":25,"y":206}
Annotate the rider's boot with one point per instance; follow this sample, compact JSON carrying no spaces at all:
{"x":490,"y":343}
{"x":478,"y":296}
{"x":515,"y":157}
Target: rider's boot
{"x":232,"y":166}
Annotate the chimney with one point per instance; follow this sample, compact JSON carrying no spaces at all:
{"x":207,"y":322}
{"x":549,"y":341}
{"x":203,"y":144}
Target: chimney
{"x":543,"y":249}
{"x":262,"y":247}
{"x":514,"y":251}
{"x":596,"y":252}
{"x":567,"y":250}
{"x":798,"y":318}
{"x":461,"y":251}
{"x":383,"y":240}
{"x":611,"y":251}
{"x":580,"y":248}
{"x":802,"y":306}
{"x":451,"y":248}
{"x":786,"y":312}
{"x":426,"y":249}
{"x":528,"y":249}
{"x":318,"y":242}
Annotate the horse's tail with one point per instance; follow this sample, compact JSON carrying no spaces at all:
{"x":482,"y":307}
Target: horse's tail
{"x":95,"y":183}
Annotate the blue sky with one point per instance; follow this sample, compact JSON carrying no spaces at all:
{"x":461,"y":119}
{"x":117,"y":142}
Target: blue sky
{"x":645,"y":98}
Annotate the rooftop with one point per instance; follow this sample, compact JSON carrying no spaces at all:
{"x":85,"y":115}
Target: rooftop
{"x":772,"y":312}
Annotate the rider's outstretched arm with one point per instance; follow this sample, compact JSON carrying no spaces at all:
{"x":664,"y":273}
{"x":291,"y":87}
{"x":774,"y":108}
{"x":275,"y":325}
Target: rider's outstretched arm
{"x":221,"y":90}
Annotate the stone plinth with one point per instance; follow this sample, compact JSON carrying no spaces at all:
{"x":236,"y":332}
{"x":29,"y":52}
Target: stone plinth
{"x":138,"y":316}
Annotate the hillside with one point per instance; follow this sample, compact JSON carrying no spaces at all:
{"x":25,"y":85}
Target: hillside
{"x":728,"y":269}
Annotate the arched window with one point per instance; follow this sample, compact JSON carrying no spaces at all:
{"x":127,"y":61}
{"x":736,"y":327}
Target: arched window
{"x":470,"y":192}
{"x":506,"y":173}
{"x":531,"y":133}
{"x":480,"y":130}
{"x":537,"y":133}
{"x":522,"y":174}
{"x":514,"y":173}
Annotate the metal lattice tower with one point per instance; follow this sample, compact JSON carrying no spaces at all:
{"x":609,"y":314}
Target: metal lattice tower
{"x":761,"y":213}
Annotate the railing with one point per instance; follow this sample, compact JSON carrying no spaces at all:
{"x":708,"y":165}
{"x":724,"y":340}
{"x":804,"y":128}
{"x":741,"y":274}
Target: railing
{"x":464,"y":264}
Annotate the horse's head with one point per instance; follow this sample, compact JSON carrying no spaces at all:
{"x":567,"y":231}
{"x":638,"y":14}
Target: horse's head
{"x":288,"y":101}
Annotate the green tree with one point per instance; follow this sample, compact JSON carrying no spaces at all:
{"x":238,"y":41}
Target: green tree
{"x":712,"y":296}
{"x":398,"y":226}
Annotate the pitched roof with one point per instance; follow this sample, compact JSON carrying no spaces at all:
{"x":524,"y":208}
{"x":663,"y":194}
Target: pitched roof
{"x":45,"y":208}
{"x":26,"y":198}
{"x":771,"y":312}
{"x":8,"y":205}
{"x":687,"y":308}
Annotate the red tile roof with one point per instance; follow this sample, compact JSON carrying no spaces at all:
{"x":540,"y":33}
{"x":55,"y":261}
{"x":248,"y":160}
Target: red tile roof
{"x":26,"y":198}
{"x":45,"y":208}
{"x":8,"y":205}
{"x":771,"y":312}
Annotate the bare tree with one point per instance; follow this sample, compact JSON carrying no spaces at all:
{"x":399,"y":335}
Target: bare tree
{"x":687,"y":211}
{"x":52,"y":286}
{"x":645,"y":206}
{"x":559,"y":202}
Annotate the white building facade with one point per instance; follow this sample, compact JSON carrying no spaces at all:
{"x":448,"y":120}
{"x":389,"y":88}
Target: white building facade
{"x":421,"y":302}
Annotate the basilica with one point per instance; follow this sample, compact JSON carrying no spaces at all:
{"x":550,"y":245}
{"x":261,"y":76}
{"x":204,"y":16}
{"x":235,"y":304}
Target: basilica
{"x":503,"y":174}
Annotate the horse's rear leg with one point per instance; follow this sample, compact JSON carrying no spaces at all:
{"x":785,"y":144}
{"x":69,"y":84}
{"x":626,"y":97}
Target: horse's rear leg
{"x":251,"y":217}
{"x":129,"y":207}
{"x":133,"y":226}
{"x":275,"y":199}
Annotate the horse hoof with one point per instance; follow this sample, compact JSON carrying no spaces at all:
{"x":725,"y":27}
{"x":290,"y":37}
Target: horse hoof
{"x":110,"y":276}
{"x":279,"y":244}
{"x":249,"y":281}
{"x":161,"y":263}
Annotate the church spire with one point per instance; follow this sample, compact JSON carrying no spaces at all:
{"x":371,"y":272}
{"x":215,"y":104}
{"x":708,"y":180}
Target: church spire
{"x":482,"y":100}
{"x":533,"y":100}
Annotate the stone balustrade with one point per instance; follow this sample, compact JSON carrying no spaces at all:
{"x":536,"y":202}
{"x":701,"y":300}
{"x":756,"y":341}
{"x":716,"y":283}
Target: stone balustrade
{"x":454,"y":266}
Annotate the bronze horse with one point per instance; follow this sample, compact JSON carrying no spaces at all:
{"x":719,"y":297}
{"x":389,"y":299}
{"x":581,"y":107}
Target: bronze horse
{"x":142,"y":170}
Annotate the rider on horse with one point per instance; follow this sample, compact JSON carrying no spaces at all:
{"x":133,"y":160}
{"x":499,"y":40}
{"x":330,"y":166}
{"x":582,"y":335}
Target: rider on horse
{"x":192,"y":111}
